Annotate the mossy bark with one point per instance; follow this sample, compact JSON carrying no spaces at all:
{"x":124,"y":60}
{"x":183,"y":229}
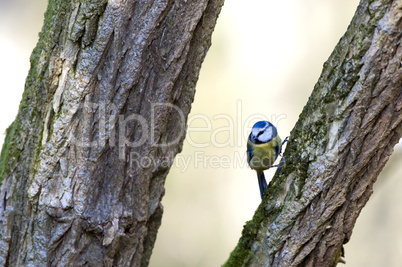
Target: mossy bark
{"x":338,"y":147}
{"x":109,"y":81}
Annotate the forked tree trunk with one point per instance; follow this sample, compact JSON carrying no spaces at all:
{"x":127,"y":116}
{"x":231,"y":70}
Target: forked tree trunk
{"x":102,"y":116}
{"x":340,"y":144}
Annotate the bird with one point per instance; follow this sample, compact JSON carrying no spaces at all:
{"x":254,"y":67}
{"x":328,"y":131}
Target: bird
{"x":263,"y":147}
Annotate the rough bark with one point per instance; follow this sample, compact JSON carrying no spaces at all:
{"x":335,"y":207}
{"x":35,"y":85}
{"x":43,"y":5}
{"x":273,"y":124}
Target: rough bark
{"x":338,"y":147}
{"x":84,"y":163}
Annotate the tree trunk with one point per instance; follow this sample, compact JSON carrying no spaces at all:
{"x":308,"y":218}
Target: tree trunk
{"x":340,"y":144}
{"x":102,"y":116}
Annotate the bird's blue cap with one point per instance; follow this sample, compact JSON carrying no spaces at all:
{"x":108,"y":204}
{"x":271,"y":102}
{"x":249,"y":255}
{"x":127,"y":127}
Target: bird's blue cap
{"x":262,"y":132}
{"x":261,"y":124}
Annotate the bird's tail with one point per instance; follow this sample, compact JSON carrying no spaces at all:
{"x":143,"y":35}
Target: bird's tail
{"x":262,"y":182}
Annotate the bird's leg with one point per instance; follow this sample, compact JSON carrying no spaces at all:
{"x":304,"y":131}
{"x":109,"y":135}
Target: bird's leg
{"x":283,"y":161}
{"x":284,"y":141}
{"x":280,"y":163}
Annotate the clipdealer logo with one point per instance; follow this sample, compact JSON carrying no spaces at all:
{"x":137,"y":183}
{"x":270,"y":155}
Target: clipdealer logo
{"x":228,"y":132}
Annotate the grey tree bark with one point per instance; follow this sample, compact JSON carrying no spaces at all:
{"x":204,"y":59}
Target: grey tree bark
{"x":338,"y":147}
{"x":102,"y":116}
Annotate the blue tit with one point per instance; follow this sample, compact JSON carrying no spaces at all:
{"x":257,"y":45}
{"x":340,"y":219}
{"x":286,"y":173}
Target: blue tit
{"x":263,"y":147}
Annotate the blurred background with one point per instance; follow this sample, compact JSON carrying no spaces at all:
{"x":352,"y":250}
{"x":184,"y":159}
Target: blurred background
{"x":265,"y":58}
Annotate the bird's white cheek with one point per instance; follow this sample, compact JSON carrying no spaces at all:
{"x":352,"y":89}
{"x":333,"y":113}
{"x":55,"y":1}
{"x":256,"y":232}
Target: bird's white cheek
{"x":265,"y":136}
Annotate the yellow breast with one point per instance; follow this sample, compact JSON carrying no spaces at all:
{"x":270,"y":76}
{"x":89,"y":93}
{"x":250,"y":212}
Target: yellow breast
{"x":264,"y":155}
